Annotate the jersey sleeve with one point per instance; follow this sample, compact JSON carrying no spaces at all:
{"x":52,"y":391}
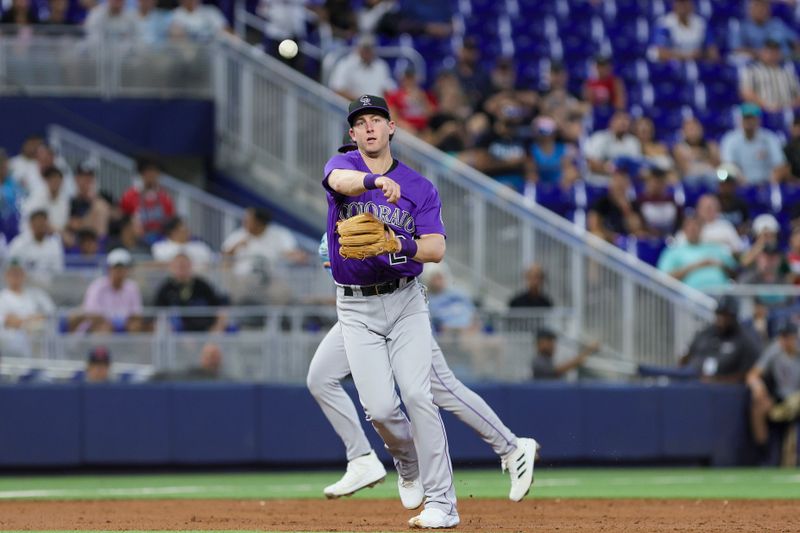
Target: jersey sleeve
{"x":337,"y":162}
{"x":429,"y":217}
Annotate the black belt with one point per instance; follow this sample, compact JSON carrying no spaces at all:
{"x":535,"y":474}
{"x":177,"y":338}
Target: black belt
{"x":386,"y":287}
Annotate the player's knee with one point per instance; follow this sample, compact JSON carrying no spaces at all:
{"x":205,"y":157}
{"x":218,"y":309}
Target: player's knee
{"x":417,"y":399}
{"x":317,"y":384}
{"x":380,"y":413}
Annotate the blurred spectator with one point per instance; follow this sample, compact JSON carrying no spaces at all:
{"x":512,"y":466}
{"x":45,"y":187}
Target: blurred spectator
{"x":154,"y":23}
{"x":374,"y":16}
{"x":768,"y":83}
{"x":21,"y":13}
{"x":754,"y":150}
{"x":25,"y":163}
{"x":10,"y":198}
{"x":793,"y":257}
{"x":147,"y":200}
{"x":471,"y":75}
{"x":774,"y":379}
{"x":610,"y":216}
{"x":259,"y":244}
{"x":178,"y":240}
{"x":758,"y":27}
{"x":112,"y":22}
{"x":451,"y":310}
{"x":660,"y":213}
{"x":86,"y":252}
{"x":361,"y":72}
{"x":197,"y":22}
{"x":547,"y":154}
{"x":654,"y":152}
{"x":410,"y":104}
{"x":716,"y":229}
{"x":446,"y":127}
{"x":603,"y":89}
{"x":605,"y":146}
{"x":22,"y":307}
{"x":33,"y":182}
{"x":765,"y":232}
{"x":127,"y":233}
{"x":37,"y":248}
{"x":683,"y":35}
{"x":534,"y":294}
{"x":185,"y":290}
{"x":98,"y":365}
{"x":53,"y":198}
{"x":57,"y":13}
{"x":792,"y":149}
{"x":284,"y":19}
{"x":558,"y":102}
{"x":424,"y":17}
{"x":544,"y":365}
{"x":112,"y":302}
{"x":724,"y":351}
{"x":87,"y":209}
{"x":340,"y":17}
{"x":732,"y":207}
{"x":700,"y":265}
{"x":696,"y":157}
{"x":501,"y":154}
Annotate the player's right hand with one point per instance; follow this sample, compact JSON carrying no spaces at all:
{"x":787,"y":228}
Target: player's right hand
{"x":390,"y":188}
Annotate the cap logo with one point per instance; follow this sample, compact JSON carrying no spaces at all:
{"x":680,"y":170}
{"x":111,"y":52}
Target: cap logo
{"x":365,"y":100}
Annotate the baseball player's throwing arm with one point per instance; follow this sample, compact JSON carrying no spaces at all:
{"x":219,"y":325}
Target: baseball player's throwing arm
{"x":430,"y":248}
{"x":354,"y":183}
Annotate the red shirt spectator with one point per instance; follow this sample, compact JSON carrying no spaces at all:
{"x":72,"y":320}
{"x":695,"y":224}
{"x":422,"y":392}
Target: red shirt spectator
{"x":148,"y":200}
{"x":411,"y":105}
{"x":604,"y":89}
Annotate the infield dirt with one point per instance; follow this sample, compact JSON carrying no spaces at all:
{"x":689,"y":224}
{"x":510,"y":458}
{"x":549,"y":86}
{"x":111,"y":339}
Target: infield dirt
{"x":561,"y":515}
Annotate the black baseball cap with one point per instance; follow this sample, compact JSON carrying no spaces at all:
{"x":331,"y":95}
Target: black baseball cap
{"x":367,"y":103}
{"x":99,"y":355}
{"x":545,"y":333}
{"x":347,"y":144}
{"x":728,"y":305}
{"x":86,"y":167}
{"x":786,"y":327}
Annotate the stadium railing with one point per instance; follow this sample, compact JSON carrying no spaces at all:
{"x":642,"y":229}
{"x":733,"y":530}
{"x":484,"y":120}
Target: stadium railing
{"x":265,"y":344}
{"x":43,"y":60}
{"x":208,"y":217}
{"x":279,"y":128}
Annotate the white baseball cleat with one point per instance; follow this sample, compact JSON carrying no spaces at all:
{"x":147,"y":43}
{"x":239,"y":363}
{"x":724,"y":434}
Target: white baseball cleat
{"x":411,"y":492}
{"x":362,"y":472}
{"x":519,"y":464}
{"x":434,"y":519}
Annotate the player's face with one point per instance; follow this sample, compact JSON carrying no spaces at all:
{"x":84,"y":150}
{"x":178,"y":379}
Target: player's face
{"x":371,"y":133}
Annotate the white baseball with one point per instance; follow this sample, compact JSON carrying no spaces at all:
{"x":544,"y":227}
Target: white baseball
{"x":288,"y":48}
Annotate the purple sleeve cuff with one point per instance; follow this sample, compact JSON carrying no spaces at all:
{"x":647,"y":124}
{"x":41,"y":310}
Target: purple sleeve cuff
{"x":408,"y":247}
{"x":369,"y":181}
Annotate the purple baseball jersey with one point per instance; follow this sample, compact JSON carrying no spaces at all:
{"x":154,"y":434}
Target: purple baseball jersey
{"x":418,"y":212}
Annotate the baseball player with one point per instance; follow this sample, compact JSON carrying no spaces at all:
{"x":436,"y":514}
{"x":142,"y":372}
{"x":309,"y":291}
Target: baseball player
{"x":381,"y":306}
{"x":329,"y":366}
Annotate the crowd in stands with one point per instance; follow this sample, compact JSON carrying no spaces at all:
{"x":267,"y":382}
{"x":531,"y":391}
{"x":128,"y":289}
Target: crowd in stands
{"x":148,"y":22}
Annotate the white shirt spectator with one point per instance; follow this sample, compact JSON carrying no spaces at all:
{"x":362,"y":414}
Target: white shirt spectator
{"x":776,"y":85}
{"x":20,"y":167}
{"x":284,"y":18}
{"x":354,"y":76}
{"x":57,"y":208}
{"x":200,"y":24}
{"x":261,"y":252}
{"x":31,"y":301}
{"x":101,"y":24}
{"x":719,"y":231}
{"x":686,"y":39}
{"x":198,"y":252}
{"x":45,"y":256}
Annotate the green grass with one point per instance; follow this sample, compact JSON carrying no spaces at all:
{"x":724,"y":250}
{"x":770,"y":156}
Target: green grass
{"x":550,"y":483}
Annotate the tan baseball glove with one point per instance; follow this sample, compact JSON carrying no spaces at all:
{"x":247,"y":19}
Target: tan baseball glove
{"x":365,"y":236}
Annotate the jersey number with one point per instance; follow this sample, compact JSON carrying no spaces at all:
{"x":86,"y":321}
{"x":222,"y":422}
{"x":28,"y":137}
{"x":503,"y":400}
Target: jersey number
{"x":395,"y":259}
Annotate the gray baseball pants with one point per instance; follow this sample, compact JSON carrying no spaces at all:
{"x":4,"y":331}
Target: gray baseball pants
{"x":329,"y":367}
{"x":387,"y":340}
